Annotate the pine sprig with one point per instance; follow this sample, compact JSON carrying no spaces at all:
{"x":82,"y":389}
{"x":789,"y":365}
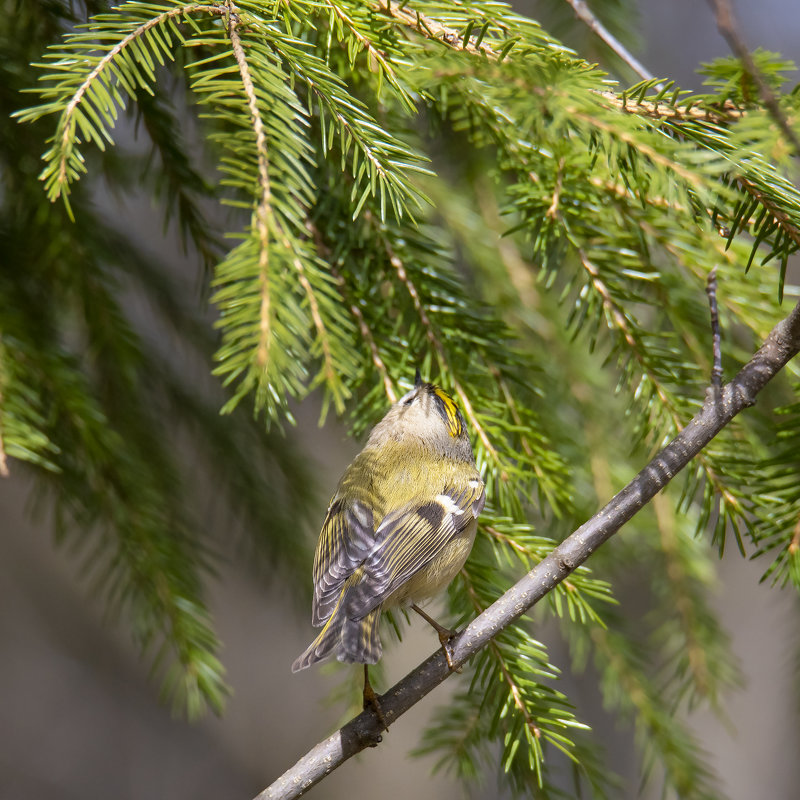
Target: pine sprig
{"x":87,"y":100}
{"x":425,"y":309}
{"x":22,"y":413}
{"x":509,"y":701}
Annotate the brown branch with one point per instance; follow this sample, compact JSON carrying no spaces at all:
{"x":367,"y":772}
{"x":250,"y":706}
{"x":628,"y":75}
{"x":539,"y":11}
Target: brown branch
{"x":782,"y":344}
{"x":726,"y":24}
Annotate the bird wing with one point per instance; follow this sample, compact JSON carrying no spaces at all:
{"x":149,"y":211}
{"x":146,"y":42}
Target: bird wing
{"x":408,"y":538}
{"x":347,"y":537}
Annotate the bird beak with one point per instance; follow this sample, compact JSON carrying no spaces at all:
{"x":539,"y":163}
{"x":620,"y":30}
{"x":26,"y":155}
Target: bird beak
{"x":417,"y":379}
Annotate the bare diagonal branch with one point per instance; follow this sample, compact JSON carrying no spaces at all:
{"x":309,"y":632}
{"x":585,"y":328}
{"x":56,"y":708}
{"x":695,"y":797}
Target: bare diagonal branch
{"x":585,"y":15}
{"x":782,"y":344}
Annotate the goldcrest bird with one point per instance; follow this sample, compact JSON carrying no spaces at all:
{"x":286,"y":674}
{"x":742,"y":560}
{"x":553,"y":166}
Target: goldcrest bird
{"x":398,"y":529}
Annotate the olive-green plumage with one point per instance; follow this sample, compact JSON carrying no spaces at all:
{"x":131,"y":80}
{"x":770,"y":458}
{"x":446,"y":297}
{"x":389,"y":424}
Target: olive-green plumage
{"x":399,"y":527}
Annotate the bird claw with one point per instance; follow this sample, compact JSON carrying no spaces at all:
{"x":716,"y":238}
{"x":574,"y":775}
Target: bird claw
{"x":371,"y":701}
{"x":445,"y":637}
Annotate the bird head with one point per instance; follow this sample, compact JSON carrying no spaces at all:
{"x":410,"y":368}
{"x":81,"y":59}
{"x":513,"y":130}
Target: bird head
{"x":427,"y":416}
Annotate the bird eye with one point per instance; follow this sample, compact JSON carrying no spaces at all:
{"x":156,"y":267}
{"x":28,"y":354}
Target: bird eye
{"x":408,"y":398}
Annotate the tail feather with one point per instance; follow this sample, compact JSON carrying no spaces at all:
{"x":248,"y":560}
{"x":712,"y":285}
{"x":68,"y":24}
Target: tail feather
{"x":323,"y":646}
{"x":361,"y":641}
{"x":352,"y":640}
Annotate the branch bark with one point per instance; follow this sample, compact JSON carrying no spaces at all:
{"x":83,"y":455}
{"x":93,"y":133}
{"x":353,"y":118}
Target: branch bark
{"x":585,"y":15}
{"x":719,"y":408}
{"x":729,"y":30}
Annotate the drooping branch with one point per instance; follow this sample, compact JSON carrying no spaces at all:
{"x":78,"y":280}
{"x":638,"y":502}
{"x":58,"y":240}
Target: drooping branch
{"x":263,"y":218}
{"x":67,"y":124}
{"x":782,"y":344}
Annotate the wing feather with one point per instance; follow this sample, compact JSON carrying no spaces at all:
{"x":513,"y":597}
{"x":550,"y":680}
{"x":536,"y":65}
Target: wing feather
{"x":345,"y":542}
{"x":409,"y":538}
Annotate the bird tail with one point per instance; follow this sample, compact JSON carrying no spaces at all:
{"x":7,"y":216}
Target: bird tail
{"x":352,"y":640}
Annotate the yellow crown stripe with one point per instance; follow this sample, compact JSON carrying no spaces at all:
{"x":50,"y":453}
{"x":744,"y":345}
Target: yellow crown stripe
{"x":450,"y":408}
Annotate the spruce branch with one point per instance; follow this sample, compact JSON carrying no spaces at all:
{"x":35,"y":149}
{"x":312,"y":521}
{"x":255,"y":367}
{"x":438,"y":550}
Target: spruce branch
{"x":497,"y":654}
{"x":671,"y":746}
{"x":263,"y":215}
{"x":783,"y":220}
{"x":67,"y":123}
{"x":782,"y":344}
{"x":377,"y":59}
{"x":429,"y":28}
{"x":88,"y":108}
{"x":668,"y":535}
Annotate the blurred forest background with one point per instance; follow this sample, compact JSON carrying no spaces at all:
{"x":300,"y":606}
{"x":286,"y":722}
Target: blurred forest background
{"x":80,"y":716}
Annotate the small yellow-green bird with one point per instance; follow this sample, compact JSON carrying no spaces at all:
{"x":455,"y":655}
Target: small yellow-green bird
{"x":398,"y":529}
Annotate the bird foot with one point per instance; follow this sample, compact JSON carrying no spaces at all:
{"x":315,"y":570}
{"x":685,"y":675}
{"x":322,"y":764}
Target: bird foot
{"x":445,"y":637}
{"x":371,"y":701}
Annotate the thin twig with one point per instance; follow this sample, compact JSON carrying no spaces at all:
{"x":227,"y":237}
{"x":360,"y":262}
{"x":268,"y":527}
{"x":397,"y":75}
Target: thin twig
{"x":316,"y":316}
{"x":782,"y":344}
{"x":375,"y":55}
{"x":781,"y":217}
{"x":726,"y":25}
{"x":585,"y":15}
{"x":552,"y":211}
{"x":716,"y":342}
{"x":615,"y":314}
